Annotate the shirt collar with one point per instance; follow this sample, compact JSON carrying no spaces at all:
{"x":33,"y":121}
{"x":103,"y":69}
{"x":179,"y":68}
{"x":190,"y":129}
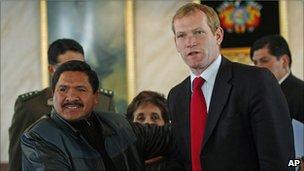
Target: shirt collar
{"x":210,"y":73}
{"x":284,"y":78}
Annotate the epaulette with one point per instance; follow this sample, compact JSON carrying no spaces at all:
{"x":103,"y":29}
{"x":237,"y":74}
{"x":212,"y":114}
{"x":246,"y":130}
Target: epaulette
{"x":29,"y":95}
{"x":106,"y":92}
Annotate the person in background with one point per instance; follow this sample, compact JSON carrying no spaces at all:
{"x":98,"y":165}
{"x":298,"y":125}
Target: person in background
{"x":224,"y":115}
{"x":272,"y":52}
{"x":150,"y":107}
{"x":29,"y":107}
{"x":75,"y":137}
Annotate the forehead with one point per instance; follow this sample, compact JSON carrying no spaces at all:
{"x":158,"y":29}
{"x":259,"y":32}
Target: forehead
{"x":73,"y":78}
{"x":70,"y":55}
{"x":148,"y":106}
{"x":260,"y":53}
{"x":192,"y":20}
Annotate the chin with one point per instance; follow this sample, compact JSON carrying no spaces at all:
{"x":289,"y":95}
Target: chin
{"x":71,"y":117}
{"x":194,"y":66}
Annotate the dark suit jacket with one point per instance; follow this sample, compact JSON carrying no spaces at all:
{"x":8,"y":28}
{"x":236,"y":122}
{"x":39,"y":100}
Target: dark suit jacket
{"x":248,"y":125}
{"x":29,"y":108}
{"x":293,"y":89}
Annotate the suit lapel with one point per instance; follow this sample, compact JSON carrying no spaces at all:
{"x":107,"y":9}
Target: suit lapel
{"x":219,"y":97}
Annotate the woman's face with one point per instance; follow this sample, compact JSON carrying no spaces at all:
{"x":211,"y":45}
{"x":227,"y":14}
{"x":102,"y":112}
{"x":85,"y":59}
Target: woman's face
{"x":148,"y":113}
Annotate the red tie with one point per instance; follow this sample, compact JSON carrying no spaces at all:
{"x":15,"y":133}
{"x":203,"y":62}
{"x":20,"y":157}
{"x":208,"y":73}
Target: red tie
{"x":198,"y":115}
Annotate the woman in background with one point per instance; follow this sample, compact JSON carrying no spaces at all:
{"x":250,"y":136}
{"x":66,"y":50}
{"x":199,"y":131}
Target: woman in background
{"x":150,"y":107}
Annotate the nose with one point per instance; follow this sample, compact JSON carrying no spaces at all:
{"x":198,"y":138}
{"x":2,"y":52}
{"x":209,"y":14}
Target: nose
{"x":191,"y":41}
{"x":148,"y":121}
{"x":259,"y":64}
{"x":71,"y":96}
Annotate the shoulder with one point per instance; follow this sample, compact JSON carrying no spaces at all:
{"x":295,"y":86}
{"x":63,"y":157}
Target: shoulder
{"x":181,"y":86}
{"x":33,"y":102}
{"x":293,"y":80}
{"x":246,"y":69}
{"x":293,"y":87}
{"x":29,"y":95}
{"x":46,"y":130}
{"x":245,"y":72}
{"x":111,"y":117}
{"x":39,"y":126}
{"x":105,"y":92}
{"x":37,"y":96}
{"x":116,"y":121}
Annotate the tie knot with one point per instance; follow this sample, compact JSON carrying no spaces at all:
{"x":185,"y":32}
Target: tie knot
{"x":198,"y":83}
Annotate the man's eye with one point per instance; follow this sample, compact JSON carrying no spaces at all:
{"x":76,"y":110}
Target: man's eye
{"x":140,"y":118}
{"x":81,"y":88}
{"x":155,"y":117}
{"x":264,"y":61}
{"x":198,"y":32}
{"x":62,"y":89}
{"x":180,"y":35}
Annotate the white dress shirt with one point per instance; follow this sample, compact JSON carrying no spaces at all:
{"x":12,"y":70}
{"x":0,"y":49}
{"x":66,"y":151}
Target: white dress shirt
{"x":209,"y":76}
{"x":284,"y":78}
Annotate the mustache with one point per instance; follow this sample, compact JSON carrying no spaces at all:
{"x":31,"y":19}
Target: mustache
{"x":74,"y":103}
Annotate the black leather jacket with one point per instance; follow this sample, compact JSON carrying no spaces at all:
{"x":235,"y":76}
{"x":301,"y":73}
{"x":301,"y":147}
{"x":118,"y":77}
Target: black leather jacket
{"x":52,"y":144}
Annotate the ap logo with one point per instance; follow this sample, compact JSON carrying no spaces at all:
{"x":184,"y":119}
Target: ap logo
{"x":294,"y":163}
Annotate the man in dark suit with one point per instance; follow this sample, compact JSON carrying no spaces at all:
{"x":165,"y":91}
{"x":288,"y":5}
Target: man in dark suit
{"x":273,"y":52}
{"x":29,"y":107}
{"x":225,"y":115}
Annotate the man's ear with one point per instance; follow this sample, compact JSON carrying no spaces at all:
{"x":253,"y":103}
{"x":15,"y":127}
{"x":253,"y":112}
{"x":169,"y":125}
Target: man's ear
{"x":219,"y":33}
{"x":285,"y":60}
{"x":96,"y":100}
{"x":51,"y":69}
{"x":175,"y":43}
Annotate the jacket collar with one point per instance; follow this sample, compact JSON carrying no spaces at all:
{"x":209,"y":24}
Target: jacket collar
{"x":220,"y":94}
{"x":107,"y":130}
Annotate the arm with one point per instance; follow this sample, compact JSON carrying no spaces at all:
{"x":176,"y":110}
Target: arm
{"x":153,"y":140}
{"x":38,"y":155}
{"x":271,"y":123}
{"x":20,"y":122}
{"x":112,"y":105}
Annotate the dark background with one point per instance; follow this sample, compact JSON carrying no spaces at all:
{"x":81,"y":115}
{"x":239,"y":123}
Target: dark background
{"x":269,"y":24}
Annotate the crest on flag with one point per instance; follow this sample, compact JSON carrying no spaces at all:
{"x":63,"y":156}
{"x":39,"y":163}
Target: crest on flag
{"x":239,"y":18}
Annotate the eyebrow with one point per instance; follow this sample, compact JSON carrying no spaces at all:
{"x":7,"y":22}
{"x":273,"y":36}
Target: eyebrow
{"x":62,"y":85}
{"x":198,"y":28}
{"x":81,"y":86}
{"x":139,"y":114}
{"x":78,"y":86}
{"x":263,"y":57}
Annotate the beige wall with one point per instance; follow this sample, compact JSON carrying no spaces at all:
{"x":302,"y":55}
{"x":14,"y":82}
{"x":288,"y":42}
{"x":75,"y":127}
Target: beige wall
{"x":158,"y":66}
{"x":20,"y":61}
{"x":295,"y":35}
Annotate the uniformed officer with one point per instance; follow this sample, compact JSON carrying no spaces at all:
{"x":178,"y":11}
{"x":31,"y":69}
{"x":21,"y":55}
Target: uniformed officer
{"x":29,"y":107}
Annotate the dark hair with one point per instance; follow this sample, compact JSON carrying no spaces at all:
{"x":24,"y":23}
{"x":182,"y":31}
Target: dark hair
{"x":76,"y":65}
{"x":60,"y":47}
{"x":276,"y":45}
{"x":152,"y":97}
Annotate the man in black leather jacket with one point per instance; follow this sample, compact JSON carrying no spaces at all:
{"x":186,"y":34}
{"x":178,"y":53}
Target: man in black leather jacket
{"x":73,"y":137}
{"x":31,"y":106}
